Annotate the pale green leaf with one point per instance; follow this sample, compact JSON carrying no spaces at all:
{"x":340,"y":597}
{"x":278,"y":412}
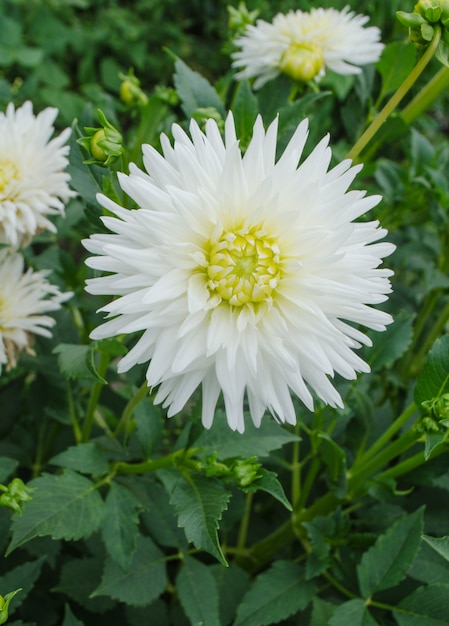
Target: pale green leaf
{"x":275,"y":595}
{"x":427,"y":606}
{"x":199,"y":503}
{"x":395,"y":64}
{"x":120,"y":524}
{"x":66,"y":506}
{"x":245,"y":109}
{"x":439,"y":544}
{"x":142,"y":583}
{"x":352,"y":613}
{"x":76,"y":361}
{"x":194,"y":90}
{"x":86,"y":458}
{"x":386,"y":563}
{"x":197,"y":591}
{"x":434,"y":378}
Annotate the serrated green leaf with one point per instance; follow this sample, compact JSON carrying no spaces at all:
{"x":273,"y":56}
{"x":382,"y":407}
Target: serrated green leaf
{"x":144,"y":580}
{"x":432,"y":441}
{"x":138,"y":616}
{"x":427,"y":606}
{"x":439,"y":544}
{"x":386,"y":563}
{"x":21,"y":577}
{"x":194,"y":90}
{"x":66,"y":506}
{"x":334,"y":458}
{"x":429,"y":566}
{"x":79,"y":578}
{"x":197,"y":591}
{"x":395,"y":64}
{"x":76,"y":362}
{"x":269,"y":483}
{"x":86,"y":458}
{"x":322,"y":612}
{"x":390,"y":345}
{"x":120,"y":524}
{"x":434,"y":378}
{"x":69,"y":618}
{"x":226,"y":444}
{"x":7,"y":467}
{"x":199,"y":503}
{"x":232,"y":583}
{"x":353,"y":613}
{"x":161,"y":519}
{"x":275,"y":595}
{"x":245,"y":109}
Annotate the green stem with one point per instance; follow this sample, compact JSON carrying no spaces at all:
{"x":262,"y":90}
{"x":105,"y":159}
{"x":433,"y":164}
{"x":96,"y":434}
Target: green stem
{"x":296,"y":471}
{"x":244,"y":524}
{"x":388,"y":434}
{"x":308,"y":484}
{"x":73,"y":417}
{"x":396,"y":98}
{"x":176,"y":459}
{"x":341,"y":588}
{"x":411,"y":463}
{"x":433,"y":335}
{"x":426,"y":96}
{"x":128,"y":411}
{"x":94,"y":397}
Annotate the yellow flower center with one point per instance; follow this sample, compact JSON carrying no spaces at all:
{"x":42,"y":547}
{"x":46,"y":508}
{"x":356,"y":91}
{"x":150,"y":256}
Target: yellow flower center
{"x":244,"y":266}
{"x":302,"y":61}
{"x":8,"y":172}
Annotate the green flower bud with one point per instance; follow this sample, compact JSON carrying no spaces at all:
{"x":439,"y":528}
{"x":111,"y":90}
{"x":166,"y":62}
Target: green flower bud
{"x":302,"y":61}
{"x":167,"y":95}
{"x":4,"y":605}
{"x":202,"y":114}
{"x":2,"y":602}
{"x":130,"y":91}
{"x":246,"y":471}
{"x":240,"y":18}
{"x":103,"y":144}
{"x":427,"y":32}
{"x":430,"y":9}
{"x":411,"y":20}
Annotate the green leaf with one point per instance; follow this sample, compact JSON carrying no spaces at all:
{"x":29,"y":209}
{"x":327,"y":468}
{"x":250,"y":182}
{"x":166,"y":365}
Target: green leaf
{"x":427,"y":606}
{"x":434,"y":378}
{"x":142,"y":583}
{"x":21,"y":577}
{"x":391,"y":344}
{"x":269,"y":483}
{"x":395,"y":64}
{"x":77,"y":362}
{"x":290,"y":115}
{"x":429,"y":566}
{"x":199,"y":503}
{"x":334,"y":458}
{"x":79,"y":578}
{"x":226,"y":444}
{"x":67,"y":506}
{"x":197,"y":591}
{"x":194,"y":90}
{"x":322,"y":612}
{"x":6,"y":600}
{"x":245,"y":109}
{"x":86,"y":458}
{"x":275,"y":595}
{"x":232,"y":583}
{"x":353,"y":613}
{"x":439,"y":544}
{"x":120,"y":524}
{"x":7,"y":467}
{"x":386,"y":563}
{"x":82,"y":178}
{"x":69,"y":618}
{"x":161,"y":519}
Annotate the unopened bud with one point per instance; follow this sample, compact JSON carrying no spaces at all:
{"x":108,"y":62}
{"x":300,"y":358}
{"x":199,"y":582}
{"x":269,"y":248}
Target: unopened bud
{"x":103,"y":144}
{"x":410,"y":20}
{"x":302,"y":61}
{"x":240,"y":18}
{"x":130,"y":91}
{"x":429,"y":9}
{"x":246,"y":471}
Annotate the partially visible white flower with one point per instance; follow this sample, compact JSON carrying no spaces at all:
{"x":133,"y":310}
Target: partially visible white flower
{"x":25,"y":297}
{"x":303,"y":45}
{"x":244,"y":274}
{"x":33,"y":183}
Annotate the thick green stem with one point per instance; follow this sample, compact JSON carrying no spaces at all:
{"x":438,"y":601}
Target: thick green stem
{"x":296,"y":471}
{"x":422,"y":101}
{"x":396,"y":98}
{"x":308,"y":484}
{"x":388,"y":434}
{"x":433,"y":335}
{"x":411,"y":463}
{"x":176,"y":459}
{"x":128,"y":411}
{"x":244,"y":524}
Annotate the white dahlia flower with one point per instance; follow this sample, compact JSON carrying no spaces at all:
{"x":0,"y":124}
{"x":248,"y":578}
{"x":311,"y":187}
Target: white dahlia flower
{"x":33,"y":184}
{"x":25,"y":297}
{"x":246,"y":275}
{"x":302,"y":45}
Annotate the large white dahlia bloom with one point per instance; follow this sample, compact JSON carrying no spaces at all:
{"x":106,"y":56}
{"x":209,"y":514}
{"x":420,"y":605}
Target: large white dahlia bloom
{"x":244,"y":274}
{"x":302,"y":45}
{"x":33,"y":183}
{"x":25,"y":297}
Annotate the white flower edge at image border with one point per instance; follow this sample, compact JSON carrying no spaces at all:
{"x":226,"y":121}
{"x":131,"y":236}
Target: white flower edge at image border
{"x":173,"y":268}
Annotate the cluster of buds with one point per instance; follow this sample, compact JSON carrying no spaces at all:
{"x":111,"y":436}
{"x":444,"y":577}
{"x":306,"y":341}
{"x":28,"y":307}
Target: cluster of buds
{"x":426,"y":16}
{"x":104,"y":144}
{"x":14,"y":495}
{"x":243,"y":472}
{"x":240,"y":18}
{"x":436,"y":418}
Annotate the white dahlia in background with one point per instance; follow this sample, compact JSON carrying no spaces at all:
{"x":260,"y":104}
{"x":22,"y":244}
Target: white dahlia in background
{"x":303,"y":45}
{"x":25,"y":297}
{"x":244,"y":274}
{"x":33,"y":184}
